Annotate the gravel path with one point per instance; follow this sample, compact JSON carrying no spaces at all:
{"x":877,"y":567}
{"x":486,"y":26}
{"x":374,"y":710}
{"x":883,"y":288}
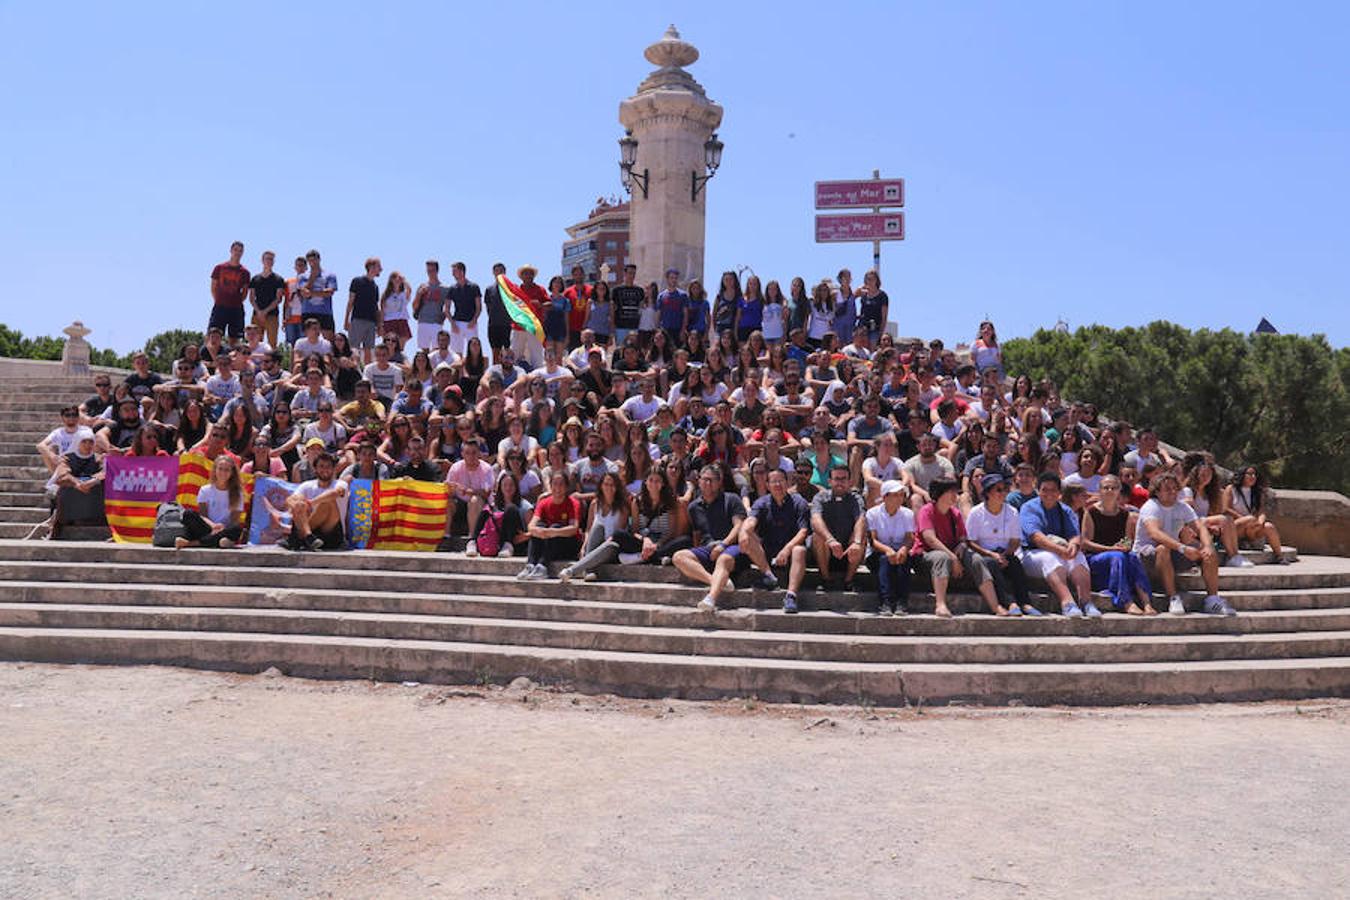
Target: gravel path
{"x":152,"y":782}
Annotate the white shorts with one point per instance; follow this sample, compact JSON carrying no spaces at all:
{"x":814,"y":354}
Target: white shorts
{"x":1042,"y":563}
{"x":460,"y":332}
{"x":426,"y":334}
{"x":527,"y":348}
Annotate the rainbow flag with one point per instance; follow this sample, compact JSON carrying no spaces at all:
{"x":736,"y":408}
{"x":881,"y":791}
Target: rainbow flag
{"x":519,"y":309}
{"x":408,"y":515}
{"x":133,"y":489}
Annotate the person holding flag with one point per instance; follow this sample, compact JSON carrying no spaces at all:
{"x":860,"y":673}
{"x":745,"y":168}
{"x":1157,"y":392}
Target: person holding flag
{"x":525,"y":304}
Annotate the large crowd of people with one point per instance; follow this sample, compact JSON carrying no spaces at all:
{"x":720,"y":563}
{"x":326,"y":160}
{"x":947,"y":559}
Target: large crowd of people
{"x":739,"y":435}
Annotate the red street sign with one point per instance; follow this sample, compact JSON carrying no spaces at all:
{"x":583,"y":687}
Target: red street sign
{"x":871,"y":192}
{"x":860,"y":227}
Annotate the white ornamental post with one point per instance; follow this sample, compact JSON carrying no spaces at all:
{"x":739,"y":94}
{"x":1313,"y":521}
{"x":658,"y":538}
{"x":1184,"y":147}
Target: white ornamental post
{"x":672,"y":121}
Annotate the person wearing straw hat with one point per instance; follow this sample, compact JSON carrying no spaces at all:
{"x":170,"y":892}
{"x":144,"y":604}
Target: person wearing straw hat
{"x":527,"y":347}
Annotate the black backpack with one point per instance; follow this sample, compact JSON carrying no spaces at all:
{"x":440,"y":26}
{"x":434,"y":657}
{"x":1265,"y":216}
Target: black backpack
{"x":168,"y":525}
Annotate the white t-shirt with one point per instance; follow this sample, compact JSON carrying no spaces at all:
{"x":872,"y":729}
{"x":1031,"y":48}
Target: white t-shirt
{"x":386,"y":381}
{"x":948,"y":432}
{"x":333,"y":438}
{"x":214,"y":504}
{"x":874,"y":469}
{"x":994,"y":532}
{"x":62,"y":440}
{"x":311,"y":489}
{"x":639,"y":410}
{"x":1091,"y":484}
{"x":1170,"y":518}
{"x":1199,"y":504}
{"x":892,"y":530}
{"x":396,"y":306}
{"x":527,"y":445}
{"x":305,"y":347}
{"x":449,"y":356}
{"x":1068,"y":465}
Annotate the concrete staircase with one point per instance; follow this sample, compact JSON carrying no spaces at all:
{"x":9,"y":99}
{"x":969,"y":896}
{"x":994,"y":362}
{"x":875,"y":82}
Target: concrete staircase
{"x":441,"y":618}
{"x":446,"y":619}
{"x":31,"y":406}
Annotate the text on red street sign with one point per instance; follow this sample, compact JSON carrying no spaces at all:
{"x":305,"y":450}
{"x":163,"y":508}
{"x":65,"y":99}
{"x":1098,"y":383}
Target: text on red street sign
{"x":872,"y":192}
{"x":860,"y":227}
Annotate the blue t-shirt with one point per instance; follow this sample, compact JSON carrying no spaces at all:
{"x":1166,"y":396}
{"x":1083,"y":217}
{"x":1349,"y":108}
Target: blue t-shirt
{"x":1059,"y":521}
{"x":777,"y":524}
{"x":315,"y":306}
{"x":555,"y":323}
{"x":698,"y":315}
{"x":671,"y":305}
{"x":752,"y":313}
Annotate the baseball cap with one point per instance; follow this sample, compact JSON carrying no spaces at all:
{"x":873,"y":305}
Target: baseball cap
{"x":993,"y":479}
{"x":314,"y":442}
{"x":893,"y":486}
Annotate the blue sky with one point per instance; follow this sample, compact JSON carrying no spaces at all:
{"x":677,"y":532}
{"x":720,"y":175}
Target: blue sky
{"x":1103,"y":162}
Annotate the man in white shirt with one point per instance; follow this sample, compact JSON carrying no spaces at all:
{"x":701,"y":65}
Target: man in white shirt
{"x":319,"y":509}
{"x":643,"y":407}
{"x":994,"y":530}
{"x":1170,"y":539}
{"x":312,"y":344}
{"x":890,"y":531}
{"x":385,"y":378}
{"x":443,"y":352}
{"x":61,"y":440}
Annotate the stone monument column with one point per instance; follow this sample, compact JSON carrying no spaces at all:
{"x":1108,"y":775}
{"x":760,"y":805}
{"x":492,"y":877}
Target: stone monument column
{"x":671,"y":117}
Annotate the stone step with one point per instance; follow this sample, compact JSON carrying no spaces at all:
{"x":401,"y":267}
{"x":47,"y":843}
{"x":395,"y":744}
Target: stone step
{"x":21,"y":485}
{"x":29,"y":457}
{"x":668,"y":675}
{"x":1308,"y":573}
{"x":14,"y":530}
{"x":23,"y":513}
{"x":236,"y":568}
{"x":24,"y":498}
{"x":30,"y":478}
{"x":672,"y":615}
{"x":684,"y":641}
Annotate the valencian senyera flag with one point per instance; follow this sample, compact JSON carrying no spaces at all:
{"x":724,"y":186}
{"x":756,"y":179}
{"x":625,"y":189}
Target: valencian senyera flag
{"x":407,"y":514}
{"x":519,"y":309}
{"x":133,"y":489}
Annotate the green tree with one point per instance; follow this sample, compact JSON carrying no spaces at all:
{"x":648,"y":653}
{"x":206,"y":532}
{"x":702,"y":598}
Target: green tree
{"x":1280,"y":401}
{"x":165,"y":347}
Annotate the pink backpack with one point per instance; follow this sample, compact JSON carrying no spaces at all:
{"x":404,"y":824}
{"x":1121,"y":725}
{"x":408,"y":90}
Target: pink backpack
{"x":489,"y":538}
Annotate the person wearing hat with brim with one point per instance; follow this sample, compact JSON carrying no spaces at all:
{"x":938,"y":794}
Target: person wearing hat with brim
{"x":527,"y":347}
{"x":304,"y":469}
{"x":890,"y":532}
{"x":994,"y":531}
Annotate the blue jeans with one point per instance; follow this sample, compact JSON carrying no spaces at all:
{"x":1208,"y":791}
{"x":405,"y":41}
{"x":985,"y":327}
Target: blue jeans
{"x":1119,"y":574}
{"x":892,"y":580}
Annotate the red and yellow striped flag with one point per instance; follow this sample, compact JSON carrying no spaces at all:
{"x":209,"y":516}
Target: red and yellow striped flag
{"x":194,"y":470}
{"x":409,"y":515}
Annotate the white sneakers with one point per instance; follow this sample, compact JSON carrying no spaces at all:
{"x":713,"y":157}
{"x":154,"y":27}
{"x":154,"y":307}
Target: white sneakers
{"x":1239,"y":562}
{"x":507,"y":550}
{"x":1176,"y":606}
{"x":471,"y":550}
{"x":707,"y":604}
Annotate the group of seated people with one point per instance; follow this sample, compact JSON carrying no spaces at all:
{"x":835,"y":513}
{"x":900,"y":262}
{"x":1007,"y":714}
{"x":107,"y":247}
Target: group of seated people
{"x":739,"y":461}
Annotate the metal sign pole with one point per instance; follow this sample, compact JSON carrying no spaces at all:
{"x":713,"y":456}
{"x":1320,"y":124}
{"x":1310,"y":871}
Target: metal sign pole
{"x":876,"y":245}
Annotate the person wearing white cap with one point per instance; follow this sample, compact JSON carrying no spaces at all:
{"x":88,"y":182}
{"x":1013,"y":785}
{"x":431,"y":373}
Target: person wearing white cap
{"x":81,"y":471}
{"x":890,"y":531}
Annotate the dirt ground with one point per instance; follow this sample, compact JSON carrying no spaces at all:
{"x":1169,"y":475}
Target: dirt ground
{"x":153,"y":782}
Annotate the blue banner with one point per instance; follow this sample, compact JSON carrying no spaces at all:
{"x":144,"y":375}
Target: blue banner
{"x":360,"y":512}
{"x":270,"y":521}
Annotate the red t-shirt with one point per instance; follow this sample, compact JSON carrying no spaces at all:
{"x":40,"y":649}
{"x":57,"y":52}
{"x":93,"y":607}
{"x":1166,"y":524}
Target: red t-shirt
{"x":230,"y":285}
{"x":554,"y":513}
{"x":576,"y":317}
{"x":950,"y":529}
{"x":538,"y":298}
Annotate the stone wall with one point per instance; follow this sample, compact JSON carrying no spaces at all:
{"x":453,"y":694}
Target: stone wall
{"x":1316,"y":522}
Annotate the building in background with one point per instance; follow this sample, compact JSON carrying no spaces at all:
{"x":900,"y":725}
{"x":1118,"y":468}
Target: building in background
{"x":601,"y":239}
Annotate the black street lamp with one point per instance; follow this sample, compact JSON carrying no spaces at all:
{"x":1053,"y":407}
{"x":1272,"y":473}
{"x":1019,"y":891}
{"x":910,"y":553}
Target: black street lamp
{"x":627,"y":159}
{"x":712,"y":158}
